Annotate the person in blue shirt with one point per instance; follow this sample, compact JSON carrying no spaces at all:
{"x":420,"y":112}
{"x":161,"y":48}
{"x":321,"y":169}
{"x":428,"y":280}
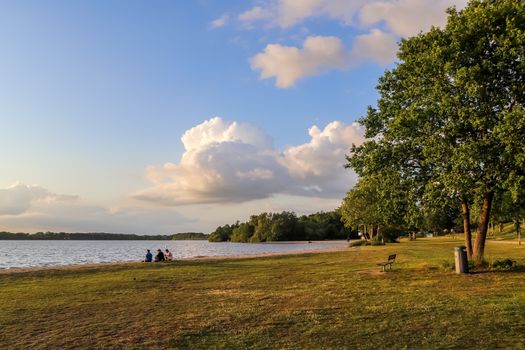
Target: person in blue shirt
{"x":149,"y":256}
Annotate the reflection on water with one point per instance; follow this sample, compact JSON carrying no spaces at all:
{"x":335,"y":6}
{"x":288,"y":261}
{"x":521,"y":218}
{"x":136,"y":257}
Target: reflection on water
{"x":20,"y":254}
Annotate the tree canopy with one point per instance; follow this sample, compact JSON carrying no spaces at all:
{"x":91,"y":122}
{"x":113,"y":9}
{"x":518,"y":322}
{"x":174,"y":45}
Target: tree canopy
{"x":284,"y":226}
{"x":446,"y":116}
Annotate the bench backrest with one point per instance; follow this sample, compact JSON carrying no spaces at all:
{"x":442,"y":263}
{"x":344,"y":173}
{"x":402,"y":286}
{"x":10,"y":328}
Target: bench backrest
{"x":392,"y":257}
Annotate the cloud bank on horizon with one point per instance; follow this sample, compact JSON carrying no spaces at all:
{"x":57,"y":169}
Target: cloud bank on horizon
{"x":225,"y":163}
{"x":31,"y":208}
{"x":233,"y":162}
{"x":18,"y":198}
{"x":381,"y":22}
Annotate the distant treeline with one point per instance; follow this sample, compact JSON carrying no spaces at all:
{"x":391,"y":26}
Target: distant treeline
{"x":90,"y":236}
{"x":185,"y":236}
{"x":285,"y":226}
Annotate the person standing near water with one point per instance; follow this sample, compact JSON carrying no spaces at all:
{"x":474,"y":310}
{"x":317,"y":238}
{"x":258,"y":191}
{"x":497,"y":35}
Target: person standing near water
{"x":149,"y":256}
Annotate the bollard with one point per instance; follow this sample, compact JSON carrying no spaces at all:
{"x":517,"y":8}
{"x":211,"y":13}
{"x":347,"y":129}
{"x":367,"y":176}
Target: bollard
{"x":460,"y":255}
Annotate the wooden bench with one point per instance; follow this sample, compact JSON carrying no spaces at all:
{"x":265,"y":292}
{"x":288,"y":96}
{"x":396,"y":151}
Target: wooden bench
{"x":389,"y":262}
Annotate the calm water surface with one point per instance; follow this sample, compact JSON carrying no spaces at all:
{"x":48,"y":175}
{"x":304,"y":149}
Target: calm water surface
{"x":23,"y":254}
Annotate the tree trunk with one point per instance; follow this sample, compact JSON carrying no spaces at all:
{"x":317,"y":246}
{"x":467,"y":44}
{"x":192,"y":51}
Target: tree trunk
{"x":479,"y":244}
{"x":519,"y":234}
{"x":500,"y":227}
{"x":466,"y":226}
{"x":373,"y":231}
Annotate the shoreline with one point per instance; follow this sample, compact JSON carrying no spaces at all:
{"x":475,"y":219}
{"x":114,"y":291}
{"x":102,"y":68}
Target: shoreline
{"x":16,"y":270}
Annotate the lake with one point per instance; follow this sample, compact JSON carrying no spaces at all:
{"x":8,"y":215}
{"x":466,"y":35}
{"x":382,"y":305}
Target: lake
{"x":24,"y":254}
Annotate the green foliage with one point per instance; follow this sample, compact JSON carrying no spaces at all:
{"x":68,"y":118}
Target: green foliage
{"x":391,"y":234}
{"x":221,"y":234}
{"x":508,"y":208}
{"x":189,"y":236}
{"x":450,"y":120}
{"x":242,"y":233}
{"x":284,"y":226}
{"x":505,"y":265}
{"x":365,"y":243}
{"x":358,"y":243}
{"x":378,"y":200}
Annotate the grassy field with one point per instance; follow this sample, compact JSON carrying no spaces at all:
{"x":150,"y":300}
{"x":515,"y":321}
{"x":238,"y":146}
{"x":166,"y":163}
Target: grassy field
{"x":312,"y":301}
{"x":508,"y":233}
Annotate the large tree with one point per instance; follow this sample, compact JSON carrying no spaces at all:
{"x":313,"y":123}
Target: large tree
{"x":444,"y":110}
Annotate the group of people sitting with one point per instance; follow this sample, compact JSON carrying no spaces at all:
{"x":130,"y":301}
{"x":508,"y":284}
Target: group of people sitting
{"x":167,"y":256}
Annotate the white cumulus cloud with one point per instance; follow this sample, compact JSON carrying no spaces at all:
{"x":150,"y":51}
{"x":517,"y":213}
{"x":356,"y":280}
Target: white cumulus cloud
{"x":383,"y":22}
{"x":228,"y":162}
{"x":318,"y":166}
{"x":256,"y":13}
{"x":219,"y":22}
{"x":288,"y":64}
{"x":377,"y":46}
{"x":223,"y":162}
{"x":405,"y":17}
{"x":292,"y":12}
{"x":19,"y":198}
{"x":216,"y":130}
{"x":287,"y":13}
{"x":408,"y":17}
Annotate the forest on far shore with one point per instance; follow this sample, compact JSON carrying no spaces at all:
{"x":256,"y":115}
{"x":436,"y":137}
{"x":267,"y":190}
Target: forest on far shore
{"x":284,"y":226}
{"x":94,"y":236}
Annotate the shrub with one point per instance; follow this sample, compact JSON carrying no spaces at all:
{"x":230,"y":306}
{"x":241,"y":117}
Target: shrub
{"x":447,"y":265}
{"x":505,"y":265}
{"x":358,"y":243}
{"x":391,"y":234}
{"x":364,"y":243}
{"x":473,"y":266}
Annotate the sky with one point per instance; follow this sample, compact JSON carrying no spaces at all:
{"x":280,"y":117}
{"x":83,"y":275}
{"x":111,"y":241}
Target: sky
{"x":156,"y":117}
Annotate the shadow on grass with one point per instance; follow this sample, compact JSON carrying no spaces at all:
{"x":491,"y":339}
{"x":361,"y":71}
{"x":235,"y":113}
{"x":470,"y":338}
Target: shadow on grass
{"x":517,"y":270}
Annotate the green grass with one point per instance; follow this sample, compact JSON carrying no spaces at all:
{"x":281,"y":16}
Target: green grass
{"x":508,"y":232}
{"x":312,"y":301}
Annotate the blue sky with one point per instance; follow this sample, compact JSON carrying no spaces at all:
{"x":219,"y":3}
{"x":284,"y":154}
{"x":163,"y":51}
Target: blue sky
{"x":95,"y":97}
